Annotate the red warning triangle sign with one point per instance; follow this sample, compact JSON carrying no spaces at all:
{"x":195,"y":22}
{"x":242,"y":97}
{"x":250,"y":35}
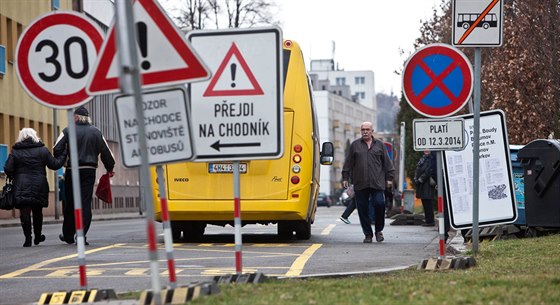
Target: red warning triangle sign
{"x":218,"y":87}
{"x":164,"y":55}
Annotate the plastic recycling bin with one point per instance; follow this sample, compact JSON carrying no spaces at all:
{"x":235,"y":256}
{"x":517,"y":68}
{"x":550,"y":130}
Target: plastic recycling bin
{"x":408,"y":200}
{"x":518,"y":184}
{"x":541,"y":164}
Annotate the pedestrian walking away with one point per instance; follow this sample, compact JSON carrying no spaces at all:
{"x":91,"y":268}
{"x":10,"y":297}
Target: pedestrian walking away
{"x":371,"y":171}
{"x":425,"y":186}
{"x":352,"y":206}
{"x":26,"y":167}
{"x":91,"y":147}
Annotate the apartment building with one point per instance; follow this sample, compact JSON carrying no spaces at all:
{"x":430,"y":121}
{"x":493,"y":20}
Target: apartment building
{"x":340,"y":113}
{"x":19,"y":110}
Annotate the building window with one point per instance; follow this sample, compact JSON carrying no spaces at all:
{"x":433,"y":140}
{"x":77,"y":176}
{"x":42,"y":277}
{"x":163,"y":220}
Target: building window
{"x":3,"y":156}
{"x":2,"y":60}
{"x":341,"y":81}
{"x":360,"y":80}
{"x":361,"y":95}
{"x":55,"y":5}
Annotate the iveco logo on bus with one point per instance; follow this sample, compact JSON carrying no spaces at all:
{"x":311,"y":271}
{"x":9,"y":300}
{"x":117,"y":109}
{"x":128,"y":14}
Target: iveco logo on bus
{"x":179,"y":179}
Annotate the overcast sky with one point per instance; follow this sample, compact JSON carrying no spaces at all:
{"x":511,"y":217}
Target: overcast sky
{"x":368,"y":34}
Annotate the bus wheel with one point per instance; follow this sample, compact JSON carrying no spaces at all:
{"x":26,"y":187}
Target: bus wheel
{"x":466,"y":25}
{"x":285,"y":230}
{"x":303,"y":230}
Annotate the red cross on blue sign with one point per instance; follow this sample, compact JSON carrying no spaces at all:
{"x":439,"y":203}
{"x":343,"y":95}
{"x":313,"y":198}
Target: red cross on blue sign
{"x":437,"y":80}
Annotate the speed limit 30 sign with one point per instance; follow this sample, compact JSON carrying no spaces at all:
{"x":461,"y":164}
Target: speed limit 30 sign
{"x":54,"y":58}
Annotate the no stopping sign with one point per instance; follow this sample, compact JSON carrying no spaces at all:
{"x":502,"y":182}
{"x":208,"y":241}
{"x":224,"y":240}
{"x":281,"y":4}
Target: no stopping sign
{"x":54,"y":58}
{"x":437,"y":80}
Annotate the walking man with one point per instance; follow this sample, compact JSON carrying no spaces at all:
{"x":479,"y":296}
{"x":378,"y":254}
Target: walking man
{"x":372,"y":171}
{"x":91,"y":145}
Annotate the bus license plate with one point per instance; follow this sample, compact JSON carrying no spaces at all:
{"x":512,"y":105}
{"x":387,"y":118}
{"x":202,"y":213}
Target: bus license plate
{"x":219,"y":168}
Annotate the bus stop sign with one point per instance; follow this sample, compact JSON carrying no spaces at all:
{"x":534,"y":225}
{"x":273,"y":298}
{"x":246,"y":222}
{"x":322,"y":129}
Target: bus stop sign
{"x":437,"y":80}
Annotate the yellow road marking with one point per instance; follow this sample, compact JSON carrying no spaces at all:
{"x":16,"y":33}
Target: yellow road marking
{"x":58,"y":259}
{"x":299,"y":263}
{"x":328,"y":229}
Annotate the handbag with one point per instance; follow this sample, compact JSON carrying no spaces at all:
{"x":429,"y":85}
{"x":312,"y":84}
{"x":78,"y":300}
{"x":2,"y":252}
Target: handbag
{"x":7,"y":196}
{"x":103,"y":191}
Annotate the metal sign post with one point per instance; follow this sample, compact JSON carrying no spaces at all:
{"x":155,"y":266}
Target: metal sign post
{"x":167,"y":235}
{"x":476,"y":149}
{"x":237,"y":217}
{"x":441,"y":209}
{"x":402,"y":178}
{"x":76,"y":192}
{"x":130,"y":83}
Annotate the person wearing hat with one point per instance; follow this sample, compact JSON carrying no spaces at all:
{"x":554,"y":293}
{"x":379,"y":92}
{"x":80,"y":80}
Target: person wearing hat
{"x":91,"y":147}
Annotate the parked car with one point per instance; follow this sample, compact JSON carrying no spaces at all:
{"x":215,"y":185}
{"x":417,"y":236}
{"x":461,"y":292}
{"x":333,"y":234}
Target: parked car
{"x":324,"y":200}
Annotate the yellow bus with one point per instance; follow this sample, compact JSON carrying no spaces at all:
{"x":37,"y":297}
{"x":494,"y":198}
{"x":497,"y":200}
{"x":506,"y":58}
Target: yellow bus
{"x":282,"y":191}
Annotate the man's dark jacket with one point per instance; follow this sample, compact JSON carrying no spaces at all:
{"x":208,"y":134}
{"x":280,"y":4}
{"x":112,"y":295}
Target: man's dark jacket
{"x":91,"y":144}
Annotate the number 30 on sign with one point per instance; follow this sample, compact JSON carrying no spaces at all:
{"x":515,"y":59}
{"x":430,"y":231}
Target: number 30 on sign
{"x":54,"y":58}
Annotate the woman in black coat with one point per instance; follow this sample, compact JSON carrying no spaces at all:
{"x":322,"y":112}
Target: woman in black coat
{"x":26,"y":167}
{"x":424,"y":184}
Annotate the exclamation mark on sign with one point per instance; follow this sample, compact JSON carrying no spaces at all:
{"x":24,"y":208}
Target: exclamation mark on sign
{"x":233,"y":67}
{"x":142,"y":31}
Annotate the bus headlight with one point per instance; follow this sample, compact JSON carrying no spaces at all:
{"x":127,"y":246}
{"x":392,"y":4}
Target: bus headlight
{"x":296,"y":169}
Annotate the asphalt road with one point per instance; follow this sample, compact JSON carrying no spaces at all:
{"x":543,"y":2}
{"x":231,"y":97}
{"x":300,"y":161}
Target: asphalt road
{"x":117,"y":257}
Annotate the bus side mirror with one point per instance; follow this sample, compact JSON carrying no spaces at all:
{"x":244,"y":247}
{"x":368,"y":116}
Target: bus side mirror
{"x":327,"y":153}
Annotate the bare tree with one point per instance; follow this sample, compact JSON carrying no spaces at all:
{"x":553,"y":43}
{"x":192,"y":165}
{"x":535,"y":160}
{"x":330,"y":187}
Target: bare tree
{"x":193,"y":14}
{"x":201,"y":14}
{"x":522,"y":77}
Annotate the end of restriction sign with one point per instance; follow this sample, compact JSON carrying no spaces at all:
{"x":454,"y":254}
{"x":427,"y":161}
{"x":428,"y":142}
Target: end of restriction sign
{"x":448,"y":134}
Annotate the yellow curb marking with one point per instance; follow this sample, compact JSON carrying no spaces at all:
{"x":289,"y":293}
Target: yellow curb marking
{"x":299,"y":263}
{"x":328,"y":229}
{"x":58,"y":259}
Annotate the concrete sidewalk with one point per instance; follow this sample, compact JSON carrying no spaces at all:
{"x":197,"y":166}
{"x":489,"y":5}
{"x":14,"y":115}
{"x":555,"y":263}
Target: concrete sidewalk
{"x":11,"y":222}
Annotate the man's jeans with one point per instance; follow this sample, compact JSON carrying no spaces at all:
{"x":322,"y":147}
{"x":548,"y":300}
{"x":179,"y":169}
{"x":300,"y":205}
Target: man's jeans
{"x":366,"y":200}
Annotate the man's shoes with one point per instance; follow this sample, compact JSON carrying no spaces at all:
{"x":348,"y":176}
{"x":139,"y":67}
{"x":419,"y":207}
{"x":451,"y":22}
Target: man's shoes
{"x":62,"y":239}
{"x":428,"y":224}
{"x":368,"y":239}
{"x":39,"y":239}
{"x":345,"y":220}
{"x":379,"y":237}
{"x":27,"y":242}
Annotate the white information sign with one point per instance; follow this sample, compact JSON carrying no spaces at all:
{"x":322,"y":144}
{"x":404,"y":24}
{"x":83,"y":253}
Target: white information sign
{"x":168,"y":131}
{"x":239,"y":111}
{"x":497,"y":203}
{"x":477,"y":23}
{"x":438,"y":134}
